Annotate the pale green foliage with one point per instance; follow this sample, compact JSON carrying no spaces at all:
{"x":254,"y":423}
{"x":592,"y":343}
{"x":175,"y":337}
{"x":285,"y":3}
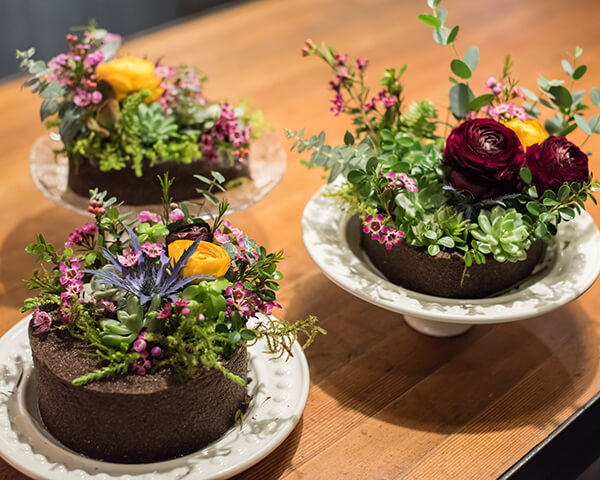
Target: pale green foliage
{"x":420,"y":119}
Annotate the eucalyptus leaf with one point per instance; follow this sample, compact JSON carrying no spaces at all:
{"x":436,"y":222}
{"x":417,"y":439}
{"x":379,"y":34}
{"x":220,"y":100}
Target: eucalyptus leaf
{"x":452,"y":36}
{"x":567,"y":67}
{"x":471,"y":58}
{"x":529,"y":94}
{"x":595,"y":96}
{"x":440,"y":35}
{"x":581,"y":123}
{"x":460,"y":97}
{"x":430,"y":20}
{"x":579,"y":72}
{"x":460,"y":69}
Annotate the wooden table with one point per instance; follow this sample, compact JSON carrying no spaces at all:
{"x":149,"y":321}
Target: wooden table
{"x":386,"y":402}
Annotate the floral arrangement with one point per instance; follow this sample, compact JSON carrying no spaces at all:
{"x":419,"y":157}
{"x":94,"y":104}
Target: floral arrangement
{"x":160,"y":291}
{"x":125,"y":110}
{"x":495,"y":184}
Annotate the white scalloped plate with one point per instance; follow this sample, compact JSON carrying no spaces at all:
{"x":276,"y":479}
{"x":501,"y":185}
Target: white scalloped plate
{"x":570,"y":267}
{"x":279,"y":390}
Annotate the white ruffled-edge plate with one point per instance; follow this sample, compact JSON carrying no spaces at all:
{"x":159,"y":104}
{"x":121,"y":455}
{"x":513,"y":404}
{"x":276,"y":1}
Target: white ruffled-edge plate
{"x":570,"y":267}
{"x":279,"y":391}
{"x":50,"y":174}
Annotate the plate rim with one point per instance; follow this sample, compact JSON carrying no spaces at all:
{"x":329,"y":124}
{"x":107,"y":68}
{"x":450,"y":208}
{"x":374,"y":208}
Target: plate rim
{"x":459,"y":313}
{"x":35,"y":469}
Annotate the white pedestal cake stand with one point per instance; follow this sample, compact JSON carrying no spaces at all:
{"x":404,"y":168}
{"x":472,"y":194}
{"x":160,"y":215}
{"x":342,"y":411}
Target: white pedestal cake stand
{"x":569,"y":268}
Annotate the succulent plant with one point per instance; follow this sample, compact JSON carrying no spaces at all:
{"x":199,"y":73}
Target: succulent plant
{"x":153,"y":124}
{"x":501,"y":233}
{"x":130,"y":321}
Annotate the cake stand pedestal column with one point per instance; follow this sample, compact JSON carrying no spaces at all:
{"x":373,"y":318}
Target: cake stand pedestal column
{"x":436,"y":329}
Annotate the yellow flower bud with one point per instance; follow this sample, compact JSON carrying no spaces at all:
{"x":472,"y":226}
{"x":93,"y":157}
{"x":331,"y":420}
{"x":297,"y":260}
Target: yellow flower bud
{"x":208,"y":259}
{"x":529,"y":132}
{"x":130,"y":74}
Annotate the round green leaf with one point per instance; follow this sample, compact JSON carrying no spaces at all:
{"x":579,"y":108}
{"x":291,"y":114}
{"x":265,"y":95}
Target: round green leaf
{"x":430,"y":20}
{"x":460,"y":68}
{"x":579,"y":72}
{"x":526,"y":175}
{"x":453,"y":34}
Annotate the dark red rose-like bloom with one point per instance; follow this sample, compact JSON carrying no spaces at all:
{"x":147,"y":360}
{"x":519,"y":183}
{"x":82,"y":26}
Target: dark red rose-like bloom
{"x":555,"y":161}
{"x":192,"y":232}
{"x":484,"y":157}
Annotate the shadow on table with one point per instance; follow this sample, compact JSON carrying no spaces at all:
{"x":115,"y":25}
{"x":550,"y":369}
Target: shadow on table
{"x":278,"y":461}
{"x":16,"y":264}
{"x":494,"y":377}
{"x":501,"y":381}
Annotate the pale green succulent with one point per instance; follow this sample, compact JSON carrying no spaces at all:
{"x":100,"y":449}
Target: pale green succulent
{"x":501,"y":233}
{"x":153,"y":124}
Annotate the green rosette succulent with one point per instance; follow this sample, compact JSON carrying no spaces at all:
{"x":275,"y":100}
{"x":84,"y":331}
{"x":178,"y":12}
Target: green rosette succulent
{"x":502,"y":233}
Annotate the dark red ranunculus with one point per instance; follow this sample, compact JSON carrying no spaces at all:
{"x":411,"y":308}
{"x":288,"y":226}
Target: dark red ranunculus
{"x":484,"y":157}
{"x":556,"y":161}
{"x":192,"y":232}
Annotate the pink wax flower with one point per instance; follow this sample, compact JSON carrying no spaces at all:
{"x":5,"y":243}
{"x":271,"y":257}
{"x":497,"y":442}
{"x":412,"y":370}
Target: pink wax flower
{"x":41,"y":321}
{"x":181,"y":302}
{"x":153,"y":250}
{"x":165,"y":312}
{"x":177,"y":215}
{"x":148,"y":217}
{"x":129,"y":259}
{"x":374,"y":226}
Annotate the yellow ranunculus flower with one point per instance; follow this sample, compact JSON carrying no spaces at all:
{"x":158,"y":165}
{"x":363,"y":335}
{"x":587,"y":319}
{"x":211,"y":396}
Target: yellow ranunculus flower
{"x":208,"y":259}
{"x":130,"y":74}
{"x":529,"y":132}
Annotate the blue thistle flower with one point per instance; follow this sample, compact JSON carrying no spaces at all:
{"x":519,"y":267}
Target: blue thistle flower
{"x":148,"y":277}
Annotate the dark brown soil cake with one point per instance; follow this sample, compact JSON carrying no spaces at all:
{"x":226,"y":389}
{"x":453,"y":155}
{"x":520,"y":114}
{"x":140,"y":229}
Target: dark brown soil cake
{"x":85,"y":174}
{"x":442,"y":275}
{"x":131,"y":419}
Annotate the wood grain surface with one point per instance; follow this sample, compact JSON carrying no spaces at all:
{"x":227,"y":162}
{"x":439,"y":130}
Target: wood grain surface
{"x":386,"y":402}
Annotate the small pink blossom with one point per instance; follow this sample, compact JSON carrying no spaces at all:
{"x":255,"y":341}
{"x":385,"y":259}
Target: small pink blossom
{"x":153,"y":250}
{"x":362,"y":64}
{"x":165,"y":312}
{"x":129,"y":259}
{"x":96,"y":97}
{"x":181,"y":302}
{"x":163,"y":71}
{"x":392,"y":238}
{"x":42,"y":321}
{"x":374,"y":226}
{"x":185,"y":311}
{"x":177,"y":215}
{"x":156,"y":351}
{"x":148,"y":217}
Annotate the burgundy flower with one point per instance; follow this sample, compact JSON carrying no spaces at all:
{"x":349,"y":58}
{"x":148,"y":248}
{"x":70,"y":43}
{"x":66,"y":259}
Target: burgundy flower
{"x":191,"y":232}
{"x":555,"y":161}
{"x":484,"y":157}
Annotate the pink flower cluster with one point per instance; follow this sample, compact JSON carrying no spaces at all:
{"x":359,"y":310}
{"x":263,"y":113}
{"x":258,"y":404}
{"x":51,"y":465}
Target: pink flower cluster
{"x":76,"y":69}
{"x":343,"y":73}
{"x":130,"y":258}
{"x":153,"y":250}
{"x":382,"y":97}
{"x":502,"y":109}
{"x":143,"y":363}
{"x":388,"y":236}
{"x":236,"y":237}
{"x":82,"y":236}
{"x":226,"y":128}
{"x":400,"y":180}
{"x":70,"y":279}
{"x":41,"y":321}
{"x":148,"y":217}
{"x":178,"y":83}
{"x":247,"y":302}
